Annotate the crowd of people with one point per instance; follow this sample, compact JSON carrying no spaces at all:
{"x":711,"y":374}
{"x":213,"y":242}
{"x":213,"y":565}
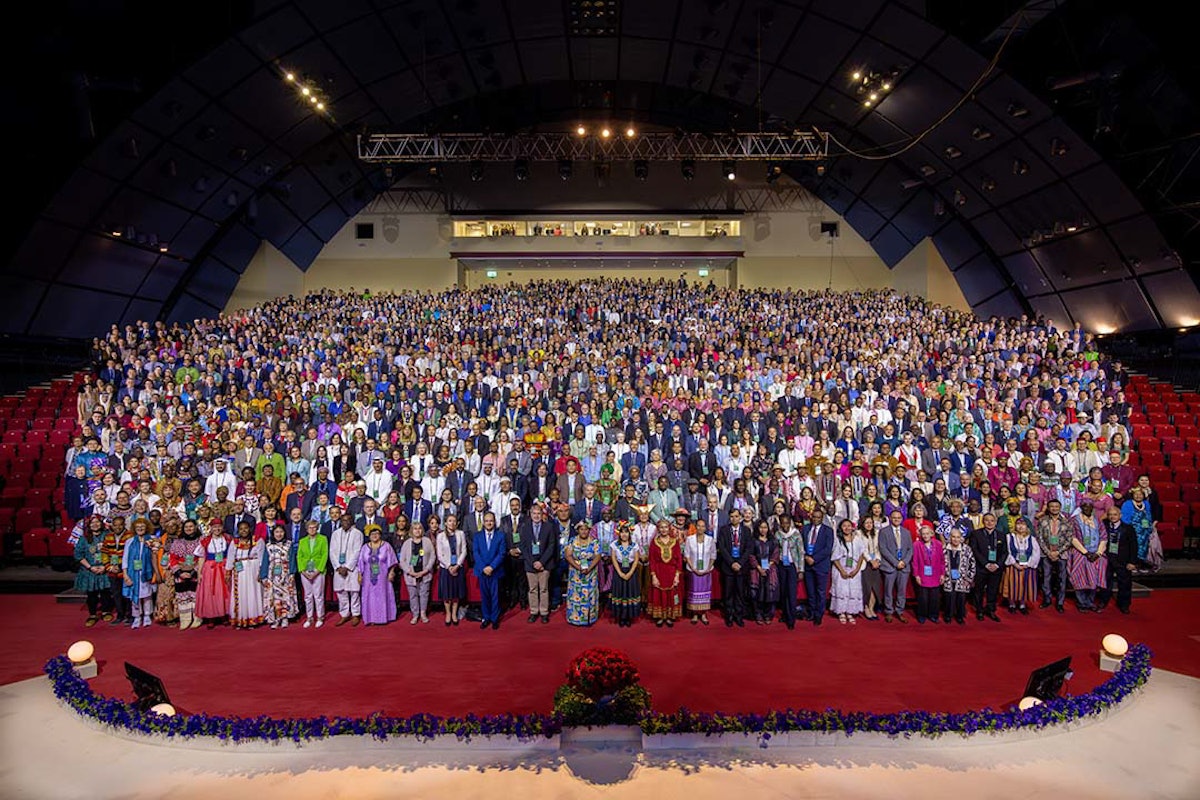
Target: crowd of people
{"x":619,"y":448}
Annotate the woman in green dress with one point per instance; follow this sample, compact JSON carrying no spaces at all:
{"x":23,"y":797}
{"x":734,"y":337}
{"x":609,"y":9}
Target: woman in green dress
{"x":583,"y":591}
{"x":91,"y":578}
{"x":607,"y":489}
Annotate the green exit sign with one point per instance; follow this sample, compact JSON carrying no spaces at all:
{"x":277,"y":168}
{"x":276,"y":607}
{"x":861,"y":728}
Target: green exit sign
{"x":703,"y":273}
{"x":491,"y":273}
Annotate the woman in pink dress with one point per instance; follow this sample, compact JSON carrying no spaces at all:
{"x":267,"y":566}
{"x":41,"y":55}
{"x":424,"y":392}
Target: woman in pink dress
{"x":212,"y":592}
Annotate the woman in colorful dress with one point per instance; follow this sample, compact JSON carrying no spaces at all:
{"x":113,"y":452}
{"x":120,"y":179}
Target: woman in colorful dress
{"x":185,"y":572}
{"x":607,"y":488}
{"x":377,"y":569}
{"x":583,"y":589}
{"x":1020,"y":582}
{"x":846,"y":588}
{"x":1137,"y":514}
{"x":665,"y":567}
{"x":277,"y":574}
{"x":452,"y":573}
{"x":625,"y":556}
{"x":212,"y":589}
{"x":137,"y":566}
{"x":91,"y":578}
{"x":164,"y":580}
{"x":244,"y":564}
{"x":112,"y":549}
{"x":700,"y":555}
{"x":764,"y":573}
{"x":959,"y":577}
{"x":605,"y":533}
{"x":1088,"y":565}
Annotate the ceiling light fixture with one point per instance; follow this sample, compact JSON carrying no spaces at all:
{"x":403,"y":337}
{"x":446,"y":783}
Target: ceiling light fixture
{"x":291,"y":76}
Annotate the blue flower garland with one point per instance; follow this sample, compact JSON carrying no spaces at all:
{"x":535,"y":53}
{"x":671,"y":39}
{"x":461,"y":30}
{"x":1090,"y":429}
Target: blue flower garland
{"x":75,"y":692}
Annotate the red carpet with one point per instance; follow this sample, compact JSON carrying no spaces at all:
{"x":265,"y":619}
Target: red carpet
{"x":404,"y":669}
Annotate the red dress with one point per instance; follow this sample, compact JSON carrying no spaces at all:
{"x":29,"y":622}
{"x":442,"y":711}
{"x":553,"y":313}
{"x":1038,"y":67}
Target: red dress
{"x":666,"y":564}
{"x":212,"y":593}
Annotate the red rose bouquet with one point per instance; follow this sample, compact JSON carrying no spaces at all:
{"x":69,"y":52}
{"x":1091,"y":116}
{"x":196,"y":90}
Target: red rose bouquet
{"x":601,"y":671}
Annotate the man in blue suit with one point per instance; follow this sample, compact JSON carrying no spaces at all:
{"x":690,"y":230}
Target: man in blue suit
{"x":818,"y":548}
{"x":418,"y":509}
{"x":588,"y":509}
{"x":490,"y":548}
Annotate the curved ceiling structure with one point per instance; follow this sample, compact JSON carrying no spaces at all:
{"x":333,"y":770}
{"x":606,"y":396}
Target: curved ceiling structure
{"x":225,"y":155}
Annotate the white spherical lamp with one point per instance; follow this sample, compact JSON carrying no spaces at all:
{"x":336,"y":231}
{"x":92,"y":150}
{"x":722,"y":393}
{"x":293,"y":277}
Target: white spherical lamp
{"x":1115,"y":645}
{"x":1028,"y":703}
{"x":164,"y":709}
{"x":80,"y":653}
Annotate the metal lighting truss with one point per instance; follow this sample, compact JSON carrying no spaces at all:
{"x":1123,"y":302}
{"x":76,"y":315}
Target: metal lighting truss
{"x":462,"y":147}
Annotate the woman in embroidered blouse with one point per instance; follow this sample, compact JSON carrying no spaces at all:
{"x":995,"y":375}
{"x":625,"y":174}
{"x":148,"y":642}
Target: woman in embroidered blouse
{"x":846,"y":588}
{"x":626,"y":595}
{"x":665,"y":568}
{"x":700,"y":554}
{"x":1019,"y":584}
{"x":244,"y":565}
{"x":764,"y":573}
{"x":959,"y":577}
{"x":1088,"y":565}
{"x":212,"y":591}
{"x":872,"y":578}
{"x":1136,"y":513}
{"x":277,"y":574}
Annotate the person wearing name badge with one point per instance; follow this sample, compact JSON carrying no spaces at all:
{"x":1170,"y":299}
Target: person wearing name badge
{"x":665,"y":563}
{"x":700,"y":555}
{"x":1019,"y":586}
{"x":212,"y":591}
{"x":733,"y":554}
{"x":764,"y":573}
{"x":847,"y":559}
{"x":1121,"y":548}
{"x":929,"y":567}
{"x":344,"y":544}
{"x":958,"y":578}
{"x":538,"y":545}
{"x":895,"y":557}
{"x":277,"y":574}
{"x":582,"y":555}
{"x":90,"y":579}
{"x":451,"y":548}
{"x":138,"y":568}
{"x":990,"y":550}
{"x":312,"y":556}
{"x":791,"y":566}
{"x":244,"y":565}
{"x":627,"y":582}
{"x":818,"y":551}
{"x":417,"y":558}
{"x":871,"y":577}
{"x":185,"y":568}
{"x":376,"y":571}
{"x":490,"y":549}
{"x":1088,"y":560}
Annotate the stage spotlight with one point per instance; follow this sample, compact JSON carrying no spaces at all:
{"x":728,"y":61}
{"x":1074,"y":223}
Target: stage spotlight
{"x":1115,"y":645}
{"x":630,"y":132}
{"x":886,"y":86}
{"x":774,"y":171}
{"x":162,"y":248}
{"x":820,"y":169}
{"x":1028,"y":703}
{"x":580,"y":131}
{"x":565,"y":168}
{"x":81,"y":652}
{"x":866,"y":103}
{"x":291,"y":76}
{"x":434,"y":172}
{"x":163,"y":709}
{"x":688,"y":168}
{"x":521,"y":169}
{"x":988,"y":185}
{"x":605,"y":133}
{"x":1058,"y":147}
{"x":306,"y":91}
{"x":641,"y":169}
{"x":476,"y":171}
{"x":729,"y":170}
{"x":320,"y":106}
{"x":856,"y":76}
{"x":1020,"y":167}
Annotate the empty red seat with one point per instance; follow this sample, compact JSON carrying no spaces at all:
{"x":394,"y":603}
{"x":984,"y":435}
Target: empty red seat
{"x":1171,"y":536}
{"x":59,"y":438}
{"x":1140,"y":431}
{"x":36,"y":435}
{"x":1157,"y":417}
{"x":1188,"y":430}
{"x":35,"y":542}
{"x":1164,"y":431}
{"x":46,"y":480}
{"x":1190,"y":493}
{"x":1151,"y":458}
{"x":15,"y":436}
{"x":37,"y":498}
{"x":1167,"y":490}
{"x":67,"y":424}
{"x":12,"y":497}
{"x":29,"y":452}
{"x":26,"y":519}
{"x":1159,"y":474}
{"x":1172,"y":444}
{"x":1148,"y":444}
{"x":1185,"y":475}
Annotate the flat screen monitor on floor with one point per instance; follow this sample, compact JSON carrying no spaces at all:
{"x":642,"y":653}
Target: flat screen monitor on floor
{"x":147,"y":687}
{"x":1046,"y":682}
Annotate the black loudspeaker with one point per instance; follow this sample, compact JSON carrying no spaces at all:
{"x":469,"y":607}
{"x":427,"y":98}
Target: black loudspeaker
{"x":831,"y":228}
{"x":148,"y":688}
{"x":1046,"y":682}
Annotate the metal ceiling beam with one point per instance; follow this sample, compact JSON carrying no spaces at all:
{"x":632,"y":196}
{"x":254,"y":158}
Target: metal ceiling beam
{"x":450,"y":147}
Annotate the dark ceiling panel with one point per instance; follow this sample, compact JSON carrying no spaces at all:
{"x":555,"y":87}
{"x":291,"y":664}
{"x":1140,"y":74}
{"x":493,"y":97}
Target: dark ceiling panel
{"x":642,"y":57}
{"x":1176,"y":298}
{"x":1061,"y":147}
{"x":81,"y":199}
{"x":1052,"y":308}
{"x":997,"y":234}
{"x":1079,"y":260}
{"x":237,"y":247}
{"x":1142,"y":245}
{"x":319,"y":67}
{"x":1002,"y":93}
{"x":304,"y":195}
{"x":171,"y":108}
{"x":765,"y":27}
{"x":276,"y":34}
{"x":328,"y":221}
{"x":147,"y":214}
{"x":276,"y":223}
{"x":190,"y":308}
{"x":788,"y":94}
{"x":140,"y":311}
{"x":864,"y":219}
{"x":19,"y":298}
{"x":1042,"y":210}
{"x":916,"y":219}
{"x":213,"y":283}
{"x":856,"y":14}
{"x":367,"y":48}
{"x":1027,"y":273}
{"x":269,"y":101}
{"x":979,"y":279}
{"x":956,"y":244}
{"x":957,"y":63}
{"x":162,"y":279}
{"x":818,"y":48}
{"x":101,"y":262}
{"x":122,"y":153}
{"x":225,"y":199}
{"x":226,"y":65}
{"x":647,"y":20}
{"x":1004,"y":304}
{"x":1110,"y":308}
{"x":47,"y":246}
{"x":891,"y":245}
{"x":220,"y":139}
{"x":1105,"y":194}
{"x":919,"y":100}
{"x":194,"y":235}
{"x":540,"y":18}
{"x":302,"y":248}
{"x":907,"y":30}
{"x":170,"y":174}
{"x":328,"y":16}
{"x":400,"y":95}
{"x":885,"y":192}
{"x":73,"y":312}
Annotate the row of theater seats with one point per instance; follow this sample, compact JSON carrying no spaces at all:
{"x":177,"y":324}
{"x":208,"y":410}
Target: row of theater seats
{"x":36,"y":430}
{"x":1165,"y":425}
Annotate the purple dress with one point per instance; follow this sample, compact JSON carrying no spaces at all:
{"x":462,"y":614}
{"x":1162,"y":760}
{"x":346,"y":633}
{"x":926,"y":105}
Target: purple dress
{"x":378,"y":597}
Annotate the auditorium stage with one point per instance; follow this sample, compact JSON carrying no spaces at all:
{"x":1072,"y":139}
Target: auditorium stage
{"x":403,"y":669}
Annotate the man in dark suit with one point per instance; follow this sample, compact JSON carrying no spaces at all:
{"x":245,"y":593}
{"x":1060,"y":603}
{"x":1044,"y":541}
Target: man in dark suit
{"x":472,"y":517}
{"x":239,"y":514}
{"x":588,"y":508}
{"x":990,"y":548}
{"x":538,"y":545}
{"x":370,"y":516}
{"x":702,"y":464}
{"x":733,"y":559}
{"x":490,"y":550}
{"x":418,"y":509}
{"x":513,"y":590}
{"x":1121,"y":549}
{"x":818,"y":547}
{"x":895,"y":557}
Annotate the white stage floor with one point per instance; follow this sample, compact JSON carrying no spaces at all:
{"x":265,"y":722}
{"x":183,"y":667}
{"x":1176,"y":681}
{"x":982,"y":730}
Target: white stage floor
{"x":1148,"y":749}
